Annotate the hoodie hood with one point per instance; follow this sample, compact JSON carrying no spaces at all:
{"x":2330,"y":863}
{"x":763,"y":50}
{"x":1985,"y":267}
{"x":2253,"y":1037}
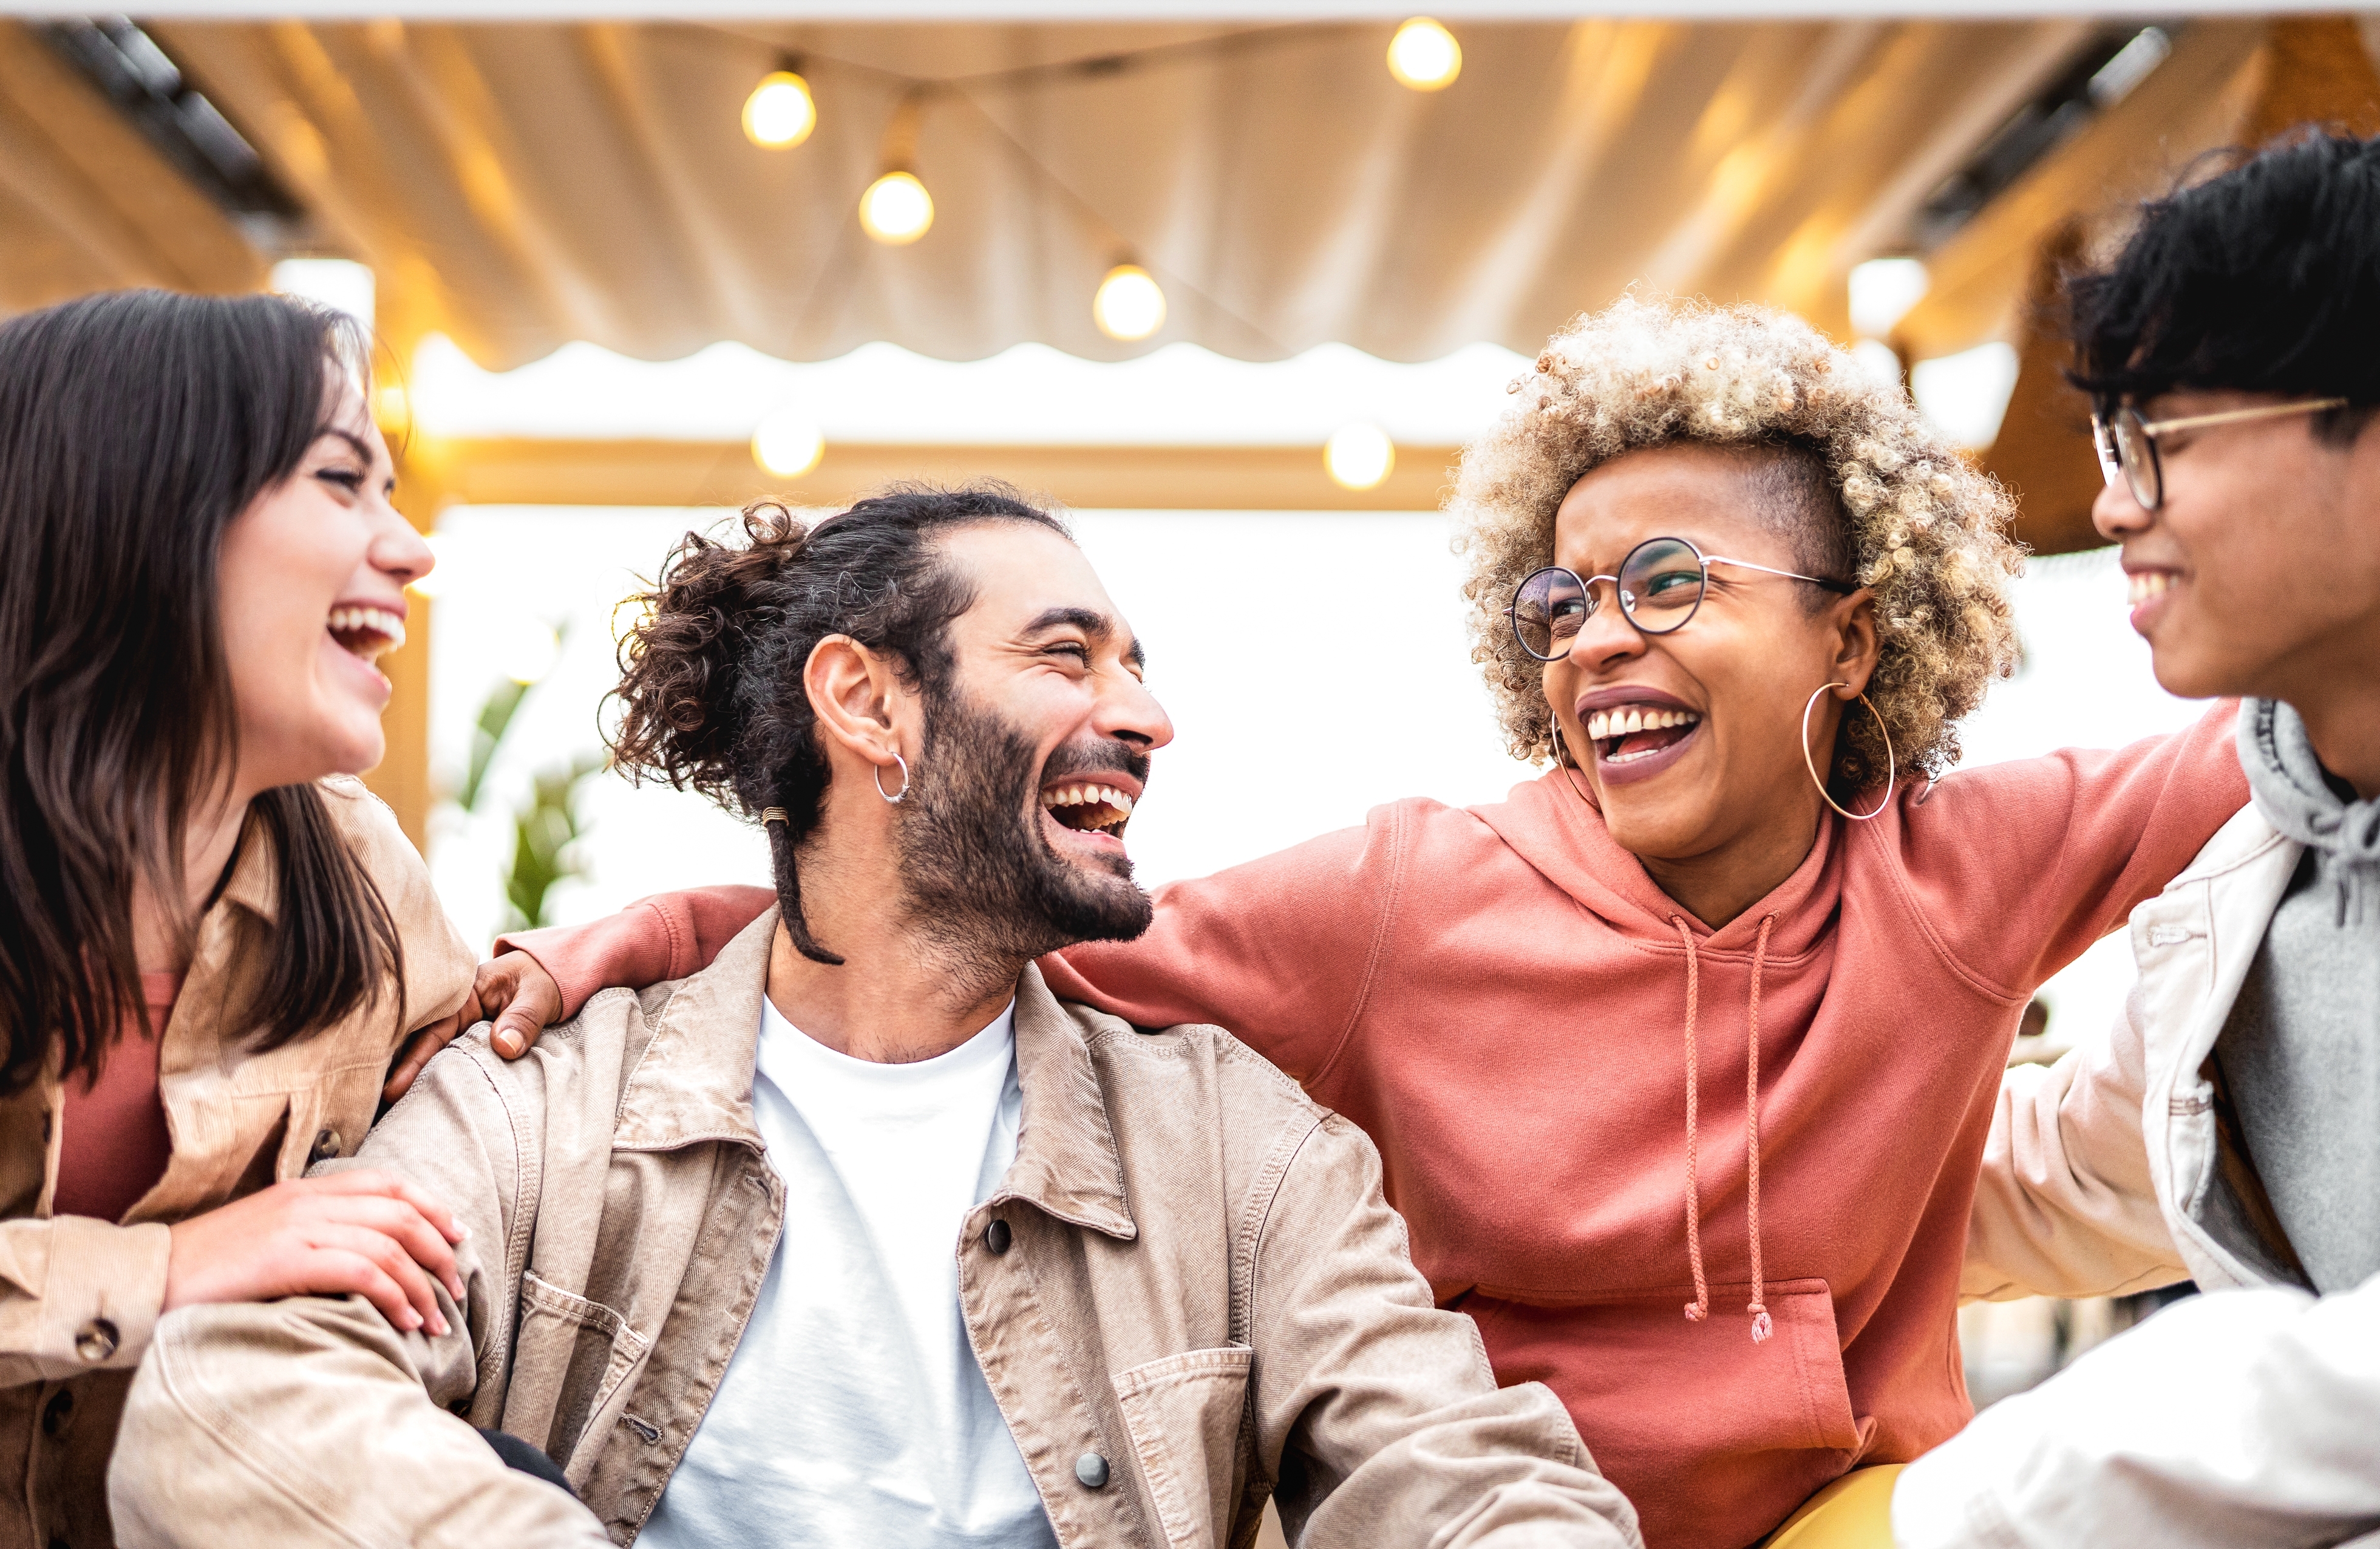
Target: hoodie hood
{"x":2296,"y":796}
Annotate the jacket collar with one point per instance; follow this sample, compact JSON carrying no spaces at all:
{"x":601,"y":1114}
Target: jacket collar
{"x":1067,"y":1164}
{"x":693,"y":1083}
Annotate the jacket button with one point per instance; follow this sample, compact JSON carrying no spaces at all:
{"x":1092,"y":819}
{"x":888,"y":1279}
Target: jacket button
{"x":97,"y":1339}
{"x":1092,"y":1469}
{"x":326,"y":1145}
{"x":997,"y":1237}
{"x":54,"y":1412}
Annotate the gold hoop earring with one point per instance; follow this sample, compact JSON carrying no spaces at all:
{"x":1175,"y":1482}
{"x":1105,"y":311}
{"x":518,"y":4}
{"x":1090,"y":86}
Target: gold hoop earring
{"x":896,"y":797}
{"x":1891,"y":770}
{"x":1566,"y":761}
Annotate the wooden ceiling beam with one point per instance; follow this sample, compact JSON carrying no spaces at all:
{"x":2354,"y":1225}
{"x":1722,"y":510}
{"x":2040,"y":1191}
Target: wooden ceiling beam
{"x":721,"y":474}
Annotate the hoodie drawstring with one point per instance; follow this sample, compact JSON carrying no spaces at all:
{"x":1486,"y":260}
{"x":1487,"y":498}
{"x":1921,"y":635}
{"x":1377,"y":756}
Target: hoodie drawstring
{"x":1699,"y":1308}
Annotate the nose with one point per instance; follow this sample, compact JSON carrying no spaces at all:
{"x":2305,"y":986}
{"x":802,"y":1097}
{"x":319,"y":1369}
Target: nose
{"x":2116,"y":515}
{"x":1606,"y":637}
{"x":1129,"y":713}
{"x":398,"y":551}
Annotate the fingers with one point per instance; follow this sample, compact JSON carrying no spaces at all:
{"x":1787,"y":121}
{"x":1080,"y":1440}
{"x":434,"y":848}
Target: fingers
{"x":423,"y":1244}
{"x":416,"y":1053}
{"x":371,"y":1181}
{"x":371,"y":1264}
{"x":522,"y":998}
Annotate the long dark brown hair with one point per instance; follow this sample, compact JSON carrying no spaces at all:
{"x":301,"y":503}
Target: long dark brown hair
{"x":134,"y":427}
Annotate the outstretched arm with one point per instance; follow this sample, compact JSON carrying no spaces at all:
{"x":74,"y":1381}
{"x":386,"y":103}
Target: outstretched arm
{"x":1377,"y":1412}
{"x":2017,"y":868}
{"x":311,"y":1420}
{"x":2065,"y":1205}
{"x":1279,"y":950}
{"x":2236,"y":1417}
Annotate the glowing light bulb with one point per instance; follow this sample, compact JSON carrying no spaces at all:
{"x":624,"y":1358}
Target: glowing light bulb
{"x":780,"y":113}
{"x":1425,"y":55}
{"x":1359,"y":457}
{"x":896,"y":209}
{"x":1129,"y":304}
{"x":787,"y":446}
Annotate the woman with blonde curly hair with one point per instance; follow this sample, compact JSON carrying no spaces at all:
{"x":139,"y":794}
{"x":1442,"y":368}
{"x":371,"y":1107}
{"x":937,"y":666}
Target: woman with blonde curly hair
{"x":1740,"y":596}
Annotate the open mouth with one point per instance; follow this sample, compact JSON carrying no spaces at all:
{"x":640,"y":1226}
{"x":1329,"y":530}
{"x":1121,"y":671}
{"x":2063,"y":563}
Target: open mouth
{"x":1626,"y":734}
{"x":1088,"y":807}
{"x":366,"y":633}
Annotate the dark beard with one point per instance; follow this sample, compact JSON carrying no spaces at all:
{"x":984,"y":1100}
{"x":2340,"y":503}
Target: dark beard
{"x":985,"y":886}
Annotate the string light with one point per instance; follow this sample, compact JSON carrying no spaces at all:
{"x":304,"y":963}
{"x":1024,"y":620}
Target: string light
{"x":896,"y":209}
{"x":780,"y":113}
{"x":787,"y":446}
{"x":1130,"y":304}
{"x":1425,"y":55}
{"x":1359,"y":457}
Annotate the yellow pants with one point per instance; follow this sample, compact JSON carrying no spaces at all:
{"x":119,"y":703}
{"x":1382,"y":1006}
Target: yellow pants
{"x":1854,"y":1512}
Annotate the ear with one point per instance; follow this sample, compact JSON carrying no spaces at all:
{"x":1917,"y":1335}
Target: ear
{"x":858,"y":699}
{"x":1852,"y":623}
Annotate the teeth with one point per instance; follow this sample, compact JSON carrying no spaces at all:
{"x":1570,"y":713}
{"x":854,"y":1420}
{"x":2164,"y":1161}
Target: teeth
{"x":1082,"y":796}
{"x":1614,"y":724}
{"x":368,"y":621}
{"x":1632,"y":723}
{"x":2146,"y":584}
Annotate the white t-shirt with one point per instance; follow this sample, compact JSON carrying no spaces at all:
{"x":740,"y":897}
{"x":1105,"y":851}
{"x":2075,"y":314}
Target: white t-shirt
{"x":852,"y":1411}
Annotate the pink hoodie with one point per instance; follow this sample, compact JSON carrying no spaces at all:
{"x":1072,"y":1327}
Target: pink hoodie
{"x":1509,"y":1005}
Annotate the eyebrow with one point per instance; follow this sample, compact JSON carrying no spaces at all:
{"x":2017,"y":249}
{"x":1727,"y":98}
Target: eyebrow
{"x":354,"y":441}
{"x":1097,"y":625}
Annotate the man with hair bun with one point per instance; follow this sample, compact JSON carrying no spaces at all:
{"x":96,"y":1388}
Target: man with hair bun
{"x":2226,"y":1127}
{"x":860,"y":1235}
{"x":1681,"y":1059}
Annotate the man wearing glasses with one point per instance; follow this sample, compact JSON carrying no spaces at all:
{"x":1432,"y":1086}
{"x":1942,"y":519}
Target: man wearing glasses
{"x":2228,"y":1128}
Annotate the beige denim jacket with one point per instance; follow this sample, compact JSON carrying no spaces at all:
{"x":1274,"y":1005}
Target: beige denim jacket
{"x":78,"y":1297}
{"x":1204,"y":1299}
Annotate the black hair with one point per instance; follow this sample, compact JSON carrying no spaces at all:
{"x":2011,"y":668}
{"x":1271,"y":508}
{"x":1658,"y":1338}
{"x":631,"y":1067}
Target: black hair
{"x":134,"y":428}
{"x":2263,"y":279}
{"x":1801,"y":502}
{"x":711,"y":682}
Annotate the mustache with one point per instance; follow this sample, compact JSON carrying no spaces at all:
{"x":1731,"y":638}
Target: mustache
{"x":1096,"y":755}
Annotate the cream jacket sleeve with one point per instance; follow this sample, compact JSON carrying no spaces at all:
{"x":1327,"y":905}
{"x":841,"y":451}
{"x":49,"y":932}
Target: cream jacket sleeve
{"x":77,"y":1295}
{"x":311,"y":1420}
{"x":2243,"y":1417}
{"x":2066,"y":1206}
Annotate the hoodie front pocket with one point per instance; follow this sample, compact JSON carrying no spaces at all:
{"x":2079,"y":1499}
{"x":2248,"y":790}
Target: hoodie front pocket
{"x":1185,"y":1414}
{"x":1714,"y":1437}
{"x":571,"y":1358}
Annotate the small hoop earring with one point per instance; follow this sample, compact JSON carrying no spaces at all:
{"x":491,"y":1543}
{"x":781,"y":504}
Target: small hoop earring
{"x":895,"y":798}
{"x":773,"y":814}
{"x":1891,"y":770}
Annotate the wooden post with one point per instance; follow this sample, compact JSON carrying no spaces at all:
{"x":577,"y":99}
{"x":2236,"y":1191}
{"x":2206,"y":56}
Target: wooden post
{"x":403,"y":778}
{"x":2043,"y":453}
{"x":2317,"y":71}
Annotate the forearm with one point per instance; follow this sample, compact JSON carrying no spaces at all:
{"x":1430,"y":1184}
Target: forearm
{"x":311,"y":1420}
{"x":77,"y":1295}
{"x":666,"y":937}
{"x":2238,"y":1418}
{"x":2065,"y":1205}
{"x":1377,"y":1410}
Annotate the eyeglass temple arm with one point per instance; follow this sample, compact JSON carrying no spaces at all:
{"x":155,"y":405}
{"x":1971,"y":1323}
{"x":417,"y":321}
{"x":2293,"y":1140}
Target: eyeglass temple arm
{"x":2237,"y":416}
{"x":1789,"y":575}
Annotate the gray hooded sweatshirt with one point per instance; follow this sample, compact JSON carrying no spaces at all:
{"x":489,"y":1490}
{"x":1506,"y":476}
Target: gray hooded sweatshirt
{"x":2301,"y":1052}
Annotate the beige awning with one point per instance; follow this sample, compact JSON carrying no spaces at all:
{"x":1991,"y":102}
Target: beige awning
{"x":518,"y":186}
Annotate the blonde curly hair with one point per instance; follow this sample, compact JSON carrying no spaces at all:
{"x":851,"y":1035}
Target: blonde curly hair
{"x":1926,"y":530}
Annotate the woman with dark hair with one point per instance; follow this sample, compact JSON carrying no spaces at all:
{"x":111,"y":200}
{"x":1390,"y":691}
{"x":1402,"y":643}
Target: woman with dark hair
{"x":212,"y":940}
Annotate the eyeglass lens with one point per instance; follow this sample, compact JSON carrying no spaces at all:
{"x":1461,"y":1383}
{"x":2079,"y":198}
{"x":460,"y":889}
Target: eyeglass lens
{"x":2136,"y":454}
{"x":1660,"y":586}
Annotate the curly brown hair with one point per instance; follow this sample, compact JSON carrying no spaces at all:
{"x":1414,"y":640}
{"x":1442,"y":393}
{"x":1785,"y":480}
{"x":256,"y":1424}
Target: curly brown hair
{"x":1926,"y":530}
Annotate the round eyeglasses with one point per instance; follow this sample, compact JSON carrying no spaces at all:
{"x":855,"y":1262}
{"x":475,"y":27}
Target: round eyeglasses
{"x":2126,"y":444}
{"x":1661,"y":586}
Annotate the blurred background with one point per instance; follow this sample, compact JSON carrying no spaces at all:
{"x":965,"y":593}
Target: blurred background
{"x":1230,"y":282}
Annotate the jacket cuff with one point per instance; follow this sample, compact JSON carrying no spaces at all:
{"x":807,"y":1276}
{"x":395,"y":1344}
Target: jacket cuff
{"x":632,"y":948}
{"x":104,"y":1292}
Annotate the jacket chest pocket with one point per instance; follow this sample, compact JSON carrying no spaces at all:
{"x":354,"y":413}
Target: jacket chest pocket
{"x":572,"y":1359}
{"x":1186,"y":1415}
